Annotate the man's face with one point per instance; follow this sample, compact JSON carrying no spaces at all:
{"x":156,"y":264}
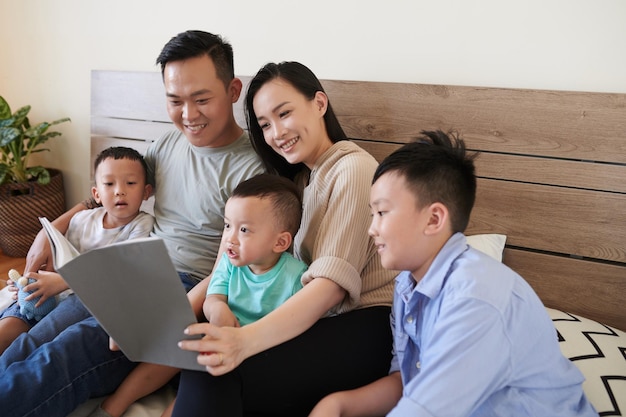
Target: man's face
{"x":198,"y":102}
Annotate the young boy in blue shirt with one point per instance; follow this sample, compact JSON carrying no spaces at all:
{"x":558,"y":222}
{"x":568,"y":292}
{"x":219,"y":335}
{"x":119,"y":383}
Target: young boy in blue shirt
{"x":471,"y":337}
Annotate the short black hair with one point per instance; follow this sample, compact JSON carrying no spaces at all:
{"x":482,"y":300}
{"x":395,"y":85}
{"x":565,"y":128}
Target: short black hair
{"x":195,"y":43}
{"x":437,"y":168}
{"x":284,"y":194}
{"x":121,"y":152}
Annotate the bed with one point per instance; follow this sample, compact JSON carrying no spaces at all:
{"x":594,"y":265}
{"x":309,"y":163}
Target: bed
{"x":551,"y":200}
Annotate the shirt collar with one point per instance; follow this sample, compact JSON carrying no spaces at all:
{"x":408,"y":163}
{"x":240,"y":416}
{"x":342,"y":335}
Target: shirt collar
{"x":432,"y":283}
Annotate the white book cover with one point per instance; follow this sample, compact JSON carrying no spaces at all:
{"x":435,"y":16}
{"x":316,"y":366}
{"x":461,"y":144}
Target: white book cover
{"x":134,"y":291}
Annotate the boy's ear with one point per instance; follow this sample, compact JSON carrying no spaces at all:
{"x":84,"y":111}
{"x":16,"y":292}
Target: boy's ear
{"x":147,"y":191}
{"x":96,"y":195}
{"x":283,"y":242}
{"x":438,"y":220}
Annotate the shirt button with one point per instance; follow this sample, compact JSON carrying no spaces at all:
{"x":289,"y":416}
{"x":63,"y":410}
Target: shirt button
{"x":418,"y":365}
{"x":409,"y":319}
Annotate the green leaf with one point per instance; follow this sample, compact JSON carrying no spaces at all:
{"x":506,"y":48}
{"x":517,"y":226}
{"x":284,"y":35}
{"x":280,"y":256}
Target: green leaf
{"x":5,"y":110}
{"x":20,"y":117}
{"x":39,"y":172}
{"x":4,"y":171}
{"x":8,"y":135}
{"x":18,"y":140}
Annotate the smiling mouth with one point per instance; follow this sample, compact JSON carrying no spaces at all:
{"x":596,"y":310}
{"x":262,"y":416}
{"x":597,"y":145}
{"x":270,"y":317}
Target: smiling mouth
{"x":195,"y":128}
{"x":290,"y":143}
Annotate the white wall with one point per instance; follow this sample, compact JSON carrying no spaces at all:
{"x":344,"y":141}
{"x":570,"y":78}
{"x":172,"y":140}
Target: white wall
{"x":49,"y":47}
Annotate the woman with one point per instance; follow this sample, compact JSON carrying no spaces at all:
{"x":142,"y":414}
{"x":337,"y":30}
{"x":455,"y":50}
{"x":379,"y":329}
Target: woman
{"x":333,"y":334}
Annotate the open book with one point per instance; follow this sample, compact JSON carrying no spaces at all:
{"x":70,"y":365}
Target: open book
{"x":134,"y":291}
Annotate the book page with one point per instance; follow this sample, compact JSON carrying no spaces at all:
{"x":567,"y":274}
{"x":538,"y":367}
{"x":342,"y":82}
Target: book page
{"x":134,"y":291}
{"x":62,"y":250}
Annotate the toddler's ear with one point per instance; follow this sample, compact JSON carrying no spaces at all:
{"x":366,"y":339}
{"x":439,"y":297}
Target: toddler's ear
{"x":283,"y":242}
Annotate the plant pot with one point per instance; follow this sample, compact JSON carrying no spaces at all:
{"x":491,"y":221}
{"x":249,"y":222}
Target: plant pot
{"x":21,"y":205}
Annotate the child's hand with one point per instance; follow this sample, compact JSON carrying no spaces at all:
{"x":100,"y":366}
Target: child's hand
{"x":48,"y":284}
{"x":217,"y":312}
{"x":12,"y":288}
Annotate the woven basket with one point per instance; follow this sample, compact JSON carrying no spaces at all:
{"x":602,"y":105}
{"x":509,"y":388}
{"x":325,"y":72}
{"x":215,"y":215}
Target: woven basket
{"x":21,"y":205}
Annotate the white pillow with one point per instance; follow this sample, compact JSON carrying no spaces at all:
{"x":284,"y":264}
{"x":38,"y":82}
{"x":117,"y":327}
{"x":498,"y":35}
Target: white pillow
{"x":599,"y":351}
{"x":491,"y":244}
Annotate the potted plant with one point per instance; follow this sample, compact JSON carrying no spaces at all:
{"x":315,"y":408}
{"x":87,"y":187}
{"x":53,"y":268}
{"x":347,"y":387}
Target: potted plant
{"x":26,"y":192}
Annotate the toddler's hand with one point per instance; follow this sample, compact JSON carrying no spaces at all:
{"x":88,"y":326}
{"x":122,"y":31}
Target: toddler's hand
{"x":12,"y":283}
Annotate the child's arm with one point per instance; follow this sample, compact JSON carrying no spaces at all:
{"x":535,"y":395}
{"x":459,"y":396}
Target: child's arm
{"x":217,"y":312}
{"x":48,"y":284}
{"x":39,"y":254}
{"x":197,"y":294}
{"x":375,"y":399}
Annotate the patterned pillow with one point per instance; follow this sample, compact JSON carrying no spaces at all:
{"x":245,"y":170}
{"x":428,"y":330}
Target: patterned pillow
{"x":599,"y":352}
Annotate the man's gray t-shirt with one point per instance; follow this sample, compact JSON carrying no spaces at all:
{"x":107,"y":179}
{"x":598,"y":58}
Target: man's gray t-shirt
{"x":192,"y":185}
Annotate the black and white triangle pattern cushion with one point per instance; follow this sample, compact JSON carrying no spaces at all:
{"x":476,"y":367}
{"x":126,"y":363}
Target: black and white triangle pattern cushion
{"x":599,"y":352}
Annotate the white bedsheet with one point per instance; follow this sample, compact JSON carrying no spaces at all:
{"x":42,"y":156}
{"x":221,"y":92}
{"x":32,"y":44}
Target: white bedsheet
{"x":151,"y":406}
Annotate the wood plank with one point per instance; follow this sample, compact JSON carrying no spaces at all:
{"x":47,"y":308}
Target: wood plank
{"x":569,"y":221}
{"x":128,"y":95}
{"x":571,"y":125}
{"x":128,"y":128}
{"x":579,"y":174}
{"x":590,"y":289}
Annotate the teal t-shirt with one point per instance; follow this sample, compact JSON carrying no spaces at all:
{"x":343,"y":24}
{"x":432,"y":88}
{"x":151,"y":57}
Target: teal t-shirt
{"x":252,"y":296}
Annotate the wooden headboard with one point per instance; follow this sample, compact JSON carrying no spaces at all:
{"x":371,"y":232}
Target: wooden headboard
{"x":552,"y":169}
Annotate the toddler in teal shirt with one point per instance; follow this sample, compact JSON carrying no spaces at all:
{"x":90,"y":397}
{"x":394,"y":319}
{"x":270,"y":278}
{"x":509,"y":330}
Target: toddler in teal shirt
{"x":256,"y":273}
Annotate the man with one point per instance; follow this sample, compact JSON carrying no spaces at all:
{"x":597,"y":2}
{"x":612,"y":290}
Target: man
{"x":194,"y":170}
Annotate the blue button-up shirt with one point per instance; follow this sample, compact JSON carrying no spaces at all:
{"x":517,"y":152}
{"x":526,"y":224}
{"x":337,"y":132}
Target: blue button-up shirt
{"x":472,"y":338}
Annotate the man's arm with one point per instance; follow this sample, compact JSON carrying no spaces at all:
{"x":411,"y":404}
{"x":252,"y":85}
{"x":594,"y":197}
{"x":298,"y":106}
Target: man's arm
{"x":39,"y":254}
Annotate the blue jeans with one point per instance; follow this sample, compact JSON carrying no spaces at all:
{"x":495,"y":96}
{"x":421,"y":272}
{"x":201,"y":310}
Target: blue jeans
{"x":14,"y":311}
{"x":54,"y":368}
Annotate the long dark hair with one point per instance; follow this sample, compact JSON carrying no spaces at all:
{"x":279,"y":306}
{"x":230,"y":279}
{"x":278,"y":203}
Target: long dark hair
{"x":303,"y":80}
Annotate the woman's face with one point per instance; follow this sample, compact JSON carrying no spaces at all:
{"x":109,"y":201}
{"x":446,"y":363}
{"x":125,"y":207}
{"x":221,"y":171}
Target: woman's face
{"x":292,"y":125}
